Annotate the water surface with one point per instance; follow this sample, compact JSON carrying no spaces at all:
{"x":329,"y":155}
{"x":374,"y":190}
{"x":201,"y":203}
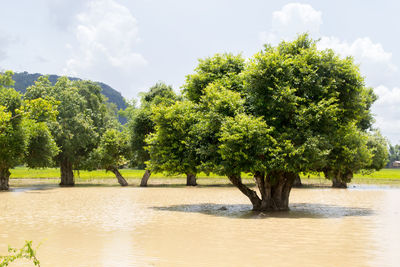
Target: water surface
{"x":208,"y":226}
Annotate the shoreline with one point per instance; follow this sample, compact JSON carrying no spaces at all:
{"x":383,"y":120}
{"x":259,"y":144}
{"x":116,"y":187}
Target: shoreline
{"x":202,"y":182}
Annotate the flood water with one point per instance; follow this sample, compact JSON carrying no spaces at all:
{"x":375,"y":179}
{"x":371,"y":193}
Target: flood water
{"x":207,"y":226}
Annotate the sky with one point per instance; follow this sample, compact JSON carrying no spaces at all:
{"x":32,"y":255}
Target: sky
{"x":133,"y":44}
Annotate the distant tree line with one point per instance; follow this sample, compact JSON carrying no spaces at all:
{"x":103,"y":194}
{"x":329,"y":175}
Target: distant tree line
{"x":287,"y":110}
{"x":394,"y":154}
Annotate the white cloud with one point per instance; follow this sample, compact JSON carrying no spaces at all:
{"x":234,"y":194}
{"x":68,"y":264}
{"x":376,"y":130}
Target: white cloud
{"x":292,"y":19}
{"x":295,"y":11}
{"x":388,"y":98}
{"x":375,"y":63}
{"x":106,"y":35}
{"x":362,"y":48}
{"x":387,"y":112}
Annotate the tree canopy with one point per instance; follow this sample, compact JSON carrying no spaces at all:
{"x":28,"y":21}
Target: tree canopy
{"x":140,"y":123}
{"x":82,"y":119}
{"x":112,"y":152}
{"x":25,"y":137}
{"x":289,"y":109}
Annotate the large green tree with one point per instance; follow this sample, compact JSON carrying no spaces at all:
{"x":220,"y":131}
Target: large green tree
{"x":24,"y":134}
{"x":82,"y":119}
{"x":287,"y":106}
{"x":304,"y":95}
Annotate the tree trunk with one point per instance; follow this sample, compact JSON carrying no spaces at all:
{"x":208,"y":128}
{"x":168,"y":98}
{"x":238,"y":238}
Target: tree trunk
{"x":4,"y":179}
{"x":120,"y":178}
{"x":337,"y":183}
{"x":251,"y":194}
{"x":67,"y":174}
{"x":145,"y":178}
{"x":191,"y":179}
{"x":297,"y":181}
{"x":274,"y":188}
{"x":339,"y":178}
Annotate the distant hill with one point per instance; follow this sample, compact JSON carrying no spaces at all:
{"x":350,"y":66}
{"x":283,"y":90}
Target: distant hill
{"x":24,"y":80}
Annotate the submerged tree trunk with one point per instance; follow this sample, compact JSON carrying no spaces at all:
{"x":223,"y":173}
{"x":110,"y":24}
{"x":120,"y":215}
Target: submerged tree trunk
{"x":191,"y":179}
{"x":120,"y":178}
{"x":4,"y":179}
{"x":339,"y":178}
{"x":297,"y":181}
{"x":145,"y":178}
{"x":338,"y":183}
{"x":274,"y":189}
{"x":67,"y":174}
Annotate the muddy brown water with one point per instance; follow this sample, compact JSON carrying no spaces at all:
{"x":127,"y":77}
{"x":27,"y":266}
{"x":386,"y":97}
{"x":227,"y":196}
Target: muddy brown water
{"x":208,"y":226}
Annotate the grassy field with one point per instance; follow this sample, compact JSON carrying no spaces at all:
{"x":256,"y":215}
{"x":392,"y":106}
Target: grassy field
{"x":384,"y":176}
{"x":25,"y":173}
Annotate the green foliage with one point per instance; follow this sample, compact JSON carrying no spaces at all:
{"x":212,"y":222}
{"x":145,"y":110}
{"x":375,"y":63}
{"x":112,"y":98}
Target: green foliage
{"x":26,"y":252}
{"x":215,"y":106}
{"x":378,"y":146}
{"x":244,"y":144}
{"x":24,"y":133}
{"x":112,"y":152}
{"x":41,"y":147}
{"x":12,"y":134}
{"x":312,"y":99}
{"x":159,"y":93}
{"x":81,"y":119}
{"x":290,"y":108}
{"x":349,"y":151}
{"x":6,"y":79}
{"x":394,"y":153}
{"x":140,"y":123}
{"x":171,"y":144}
{"x":224,"y":68}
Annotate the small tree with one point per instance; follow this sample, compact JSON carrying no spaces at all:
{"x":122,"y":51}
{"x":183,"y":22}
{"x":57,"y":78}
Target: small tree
{"x":349,"y":154}
{"x":26,"y":252}
{"x":140,"y":124}
{"x":378,"y":146}
{"x":355,"y":151}
{"x":170,"y":146}
{"x":112,"y":153}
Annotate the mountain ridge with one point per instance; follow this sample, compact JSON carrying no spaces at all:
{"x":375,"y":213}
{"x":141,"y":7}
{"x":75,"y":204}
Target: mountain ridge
{"x":24,"y":79}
